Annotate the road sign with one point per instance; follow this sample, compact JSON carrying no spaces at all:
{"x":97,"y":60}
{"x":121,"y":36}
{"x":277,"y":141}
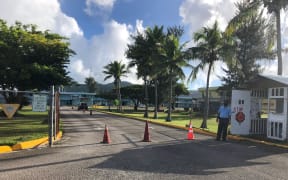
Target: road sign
{"x":10,"y":109}
{"x":39,"y":103}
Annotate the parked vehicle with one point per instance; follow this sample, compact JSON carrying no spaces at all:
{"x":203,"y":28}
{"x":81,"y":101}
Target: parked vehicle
{"x":83,"y":106}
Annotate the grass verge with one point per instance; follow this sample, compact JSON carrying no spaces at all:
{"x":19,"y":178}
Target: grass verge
{"x":179,"y":118}
{"x":27,"y":125}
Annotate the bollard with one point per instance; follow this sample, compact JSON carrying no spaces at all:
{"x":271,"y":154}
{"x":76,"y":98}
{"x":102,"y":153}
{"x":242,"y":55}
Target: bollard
{"x":90,"y":112}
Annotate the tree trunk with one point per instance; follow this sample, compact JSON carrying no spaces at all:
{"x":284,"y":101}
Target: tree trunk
{"x":279,"y":48}
{"x":146,"y":98}
{"x":109,"y":106}
{"x":119,"y":95}
{"x":119,"y":107}
{"x":170,"y":101}
{"x":135,"y":107}
{"x":206,"y":105}
{"x":156,"y":100}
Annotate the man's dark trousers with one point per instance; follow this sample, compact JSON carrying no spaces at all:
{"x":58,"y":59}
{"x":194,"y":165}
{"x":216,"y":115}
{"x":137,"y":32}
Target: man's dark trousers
{"x":222,"y":128}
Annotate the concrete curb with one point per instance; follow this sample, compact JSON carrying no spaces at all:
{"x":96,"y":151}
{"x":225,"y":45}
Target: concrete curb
{"x":204,"y":132}
{"x":28,"y":144}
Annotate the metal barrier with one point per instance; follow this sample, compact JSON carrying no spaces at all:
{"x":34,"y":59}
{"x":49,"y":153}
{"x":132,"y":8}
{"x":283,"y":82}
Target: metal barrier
{"x":258,"y":126}
{"x":54,"y":110}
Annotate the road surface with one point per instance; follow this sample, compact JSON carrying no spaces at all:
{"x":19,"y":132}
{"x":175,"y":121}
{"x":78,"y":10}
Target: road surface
{"x":81,"y":155}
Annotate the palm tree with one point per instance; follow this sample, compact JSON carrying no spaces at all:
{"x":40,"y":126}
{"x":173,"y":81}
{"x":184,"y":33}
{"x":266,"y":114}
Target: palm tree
{"x":138,"y":53}
{"x":155,"y":38}
{"x":209,"y":49}
{"x":116,"y":70}
{"x":174,"y":59}
{"x":275,"y":7}
{"x":91,"y":84}
{"x":143,"y":54}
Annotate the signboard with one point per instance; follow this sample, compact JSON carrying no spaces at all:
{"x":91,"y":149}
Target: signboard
{"x":240,"y":116}
{"x":39,"y":103}
{"x":10,"y":109}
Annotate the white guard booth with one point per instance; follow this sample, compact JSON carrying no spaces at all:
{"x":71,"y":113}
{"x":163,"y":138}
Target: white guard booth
{"x":277,"y":117}
{"x":261,"y":108}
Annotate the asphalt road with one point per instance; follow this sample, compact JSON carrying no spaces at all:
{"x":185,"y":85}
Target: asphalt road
{"x":81,"y":155}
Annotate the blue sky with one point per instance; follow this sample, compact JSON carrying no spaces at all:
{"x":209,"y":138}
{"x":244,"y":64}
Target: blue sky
{"x":99,"y":30}
{"x":124,"y":11}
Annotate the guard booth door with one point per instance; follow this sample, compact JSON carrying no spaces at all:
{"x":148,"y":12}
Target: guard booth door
{"x":277,"y":113}
{"x":240,"y":116}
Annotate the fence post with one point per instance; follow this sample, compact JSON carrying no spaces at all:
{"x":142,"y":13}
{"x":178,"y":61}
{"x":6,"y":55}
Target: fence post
{"x":55,"y":115}
{"x":51,"y":116}
{"x":57,"y":111}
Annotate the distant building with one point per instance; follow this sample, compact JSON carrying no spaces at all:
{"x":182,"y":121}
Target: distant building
{"x":216,"y":96}
{"x":196,"y":99}
{"x":188,"y":101}
{"x":75,"y":95}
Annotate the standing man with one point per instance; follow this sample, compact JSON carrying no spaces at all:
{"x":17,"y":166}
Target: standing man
{"x":223,"y":119}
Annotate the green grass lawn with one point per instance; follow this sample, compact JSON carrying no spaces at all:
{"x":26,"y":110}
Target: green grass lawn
{"x":27,"y":125}
{"x":179,"y":118}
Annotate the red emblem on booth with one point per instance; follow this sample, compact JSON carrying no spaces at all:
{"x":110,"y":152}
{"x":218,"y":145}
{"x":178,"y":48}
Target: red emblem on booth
{"x":240,"y":117}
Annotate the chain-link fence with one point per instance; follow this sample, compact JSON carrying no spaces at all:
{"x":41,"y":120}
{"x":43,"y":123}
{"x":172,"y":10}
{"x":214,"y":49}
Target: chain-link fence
{"x":45,"y":101}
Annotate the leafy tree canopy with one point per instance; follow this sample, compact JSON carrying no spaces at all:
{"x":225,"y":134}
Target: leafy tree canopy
{"x":254,"y":41}
{"x":32,"y":59}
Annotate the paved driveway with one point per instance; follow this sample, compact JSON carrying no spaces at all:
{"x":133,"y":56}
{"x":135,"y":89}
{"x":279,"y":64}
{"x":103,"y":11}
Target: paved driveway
{"x":80,"y":155}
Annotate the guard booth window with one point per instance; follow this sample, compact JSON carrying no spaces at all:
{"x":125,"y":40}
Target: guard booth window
{"x":276,"y":101}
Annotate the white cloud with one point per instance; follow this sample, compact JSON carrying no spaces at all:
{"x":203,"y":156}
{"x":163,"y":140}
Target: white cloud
{"x":46,"y":14}
{"x":101,"y":5}
{"x":102,"y":49}
{"x":78,"y":67}
{"x":139,"y":26}
{"x":197,"y":13}
{"x":270,"y":67}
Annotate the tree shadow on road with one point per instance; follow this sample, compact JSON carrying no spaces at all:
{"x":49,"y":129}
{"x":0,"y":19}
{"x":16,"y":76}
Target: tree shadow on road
{"x":189,"y":158}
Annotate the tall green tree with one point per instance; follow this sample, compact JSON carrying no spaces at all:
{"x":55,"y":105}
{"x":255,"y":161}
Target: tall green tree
{"x":254,"y":39}
{"x":162,"y":89}
{"x":91,"y":84}
{"x":274,"y":7}
{"x":134,"y":93}
{"x":174,"y":58}
{"x":155,"y":37}
{"x":116,"y":70}
{"x":139,"y":54}
{"x":210,"y":47}
{"x":150,"y":53}
{"x":31,"y":59}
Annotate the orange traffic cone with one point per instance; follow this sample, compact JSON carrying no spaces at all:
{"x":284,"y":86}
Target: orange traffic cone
{"x":106,"y":137}
{"x":146,"y":134}
{"x":190,"y":134}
